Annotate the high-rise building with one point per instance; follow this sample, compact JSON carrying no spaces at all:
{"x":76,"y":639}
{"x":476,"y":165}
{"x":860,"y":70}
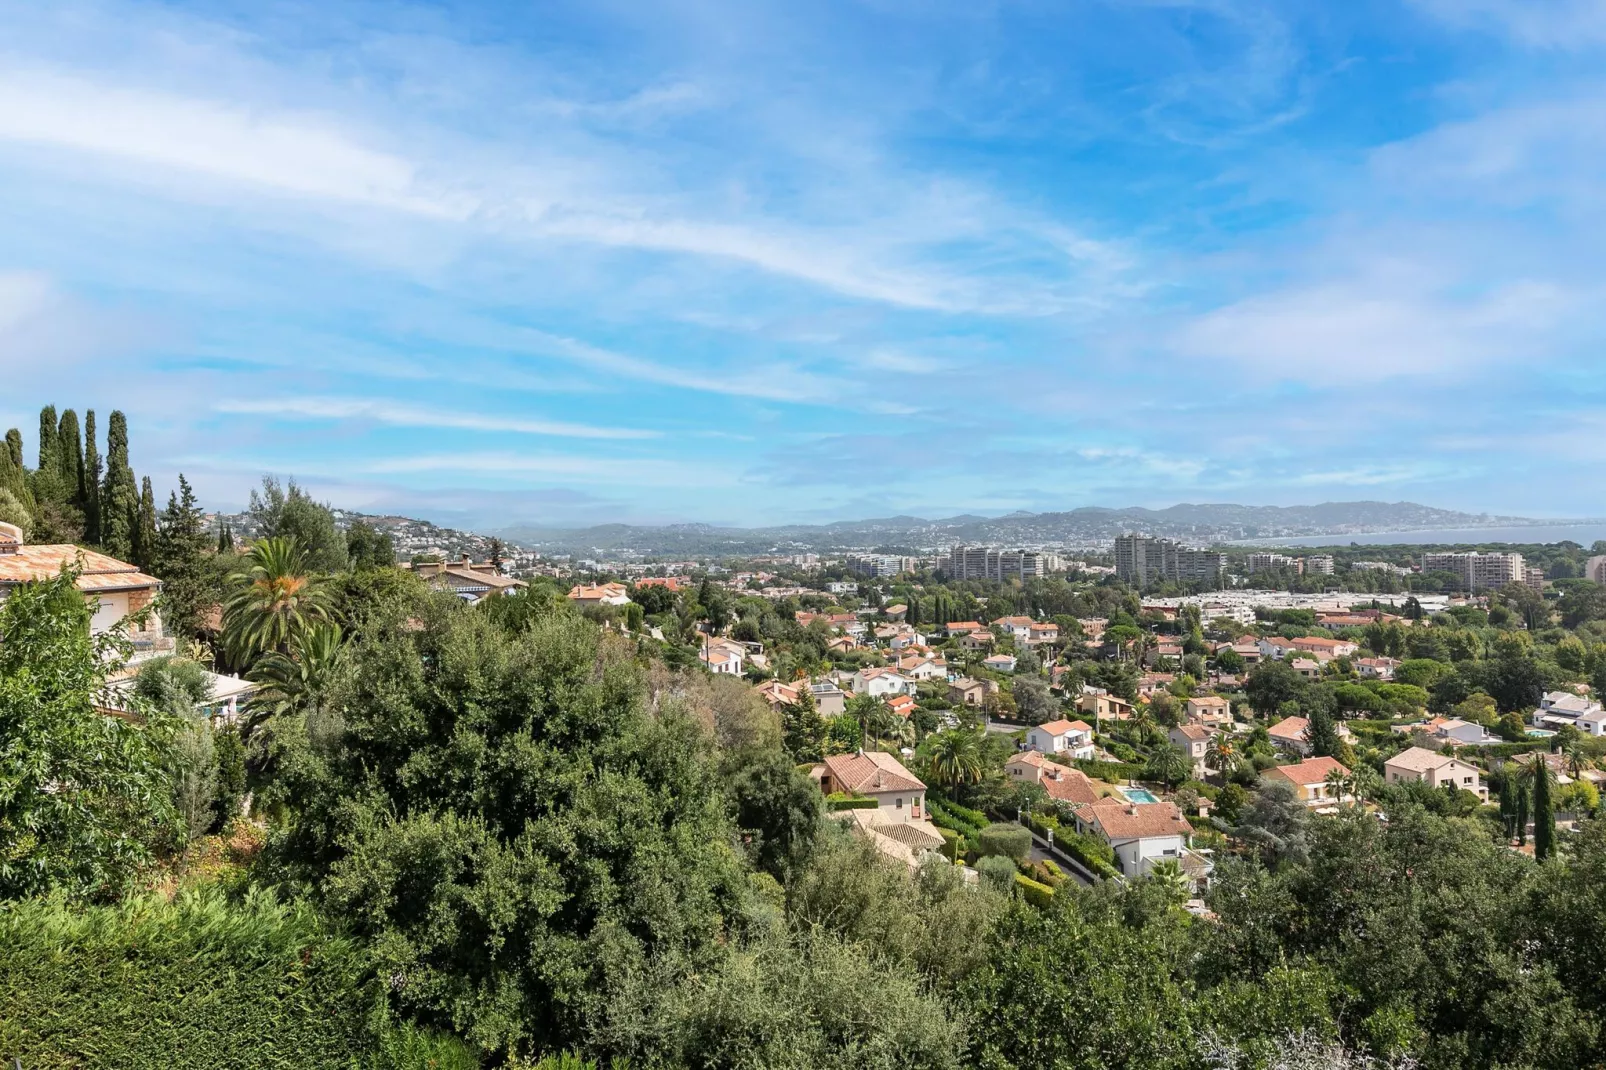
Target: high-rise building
{"x":1479,"y":571}
{"x":1141,"y":560}
{"x":1319,"y":565}
{"x":981,"y":563}
{"x":1267,"y":562}
{"x":1595,"y":569}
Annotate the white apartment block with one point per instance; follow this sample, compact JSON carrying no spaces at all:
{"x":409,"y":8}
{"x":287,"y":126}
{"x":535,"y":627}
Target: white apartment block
{"x":1479,"y":571}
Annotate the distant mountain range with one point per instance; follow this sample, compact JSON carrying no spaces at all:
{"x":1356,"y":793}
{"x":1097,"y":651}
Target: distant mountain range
{"x":1077,"y":529}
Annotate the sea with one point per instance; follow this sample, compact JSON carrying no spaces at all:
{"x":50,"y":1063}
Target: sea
{"x":1585,"y":534}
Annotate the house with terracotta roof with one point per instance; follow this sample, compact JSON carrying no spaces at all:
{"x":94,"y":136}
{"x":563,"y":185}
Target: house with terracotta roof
{"x":1309,"y":779}
{"x":602,"y":594}
{"x":902,"y":705}
{"x":778,"y":694}
{"x":722,"y":660}
{"x":1212,"y":711}
{"x":1324,"y":644}
{"x":967,"y":691}
{"x":1194,"y":740}
{"x":1071,"y":738}
{"x":962,"y":627}
{"x":1045,"y":632}
{"x":1375,"y":668}
{"x":899,"y":794}
{"x":919,"y":667}
{"x":1062,"y":782}
{"x":976,"y":641}
{"x":1292,"y":734}
{"x":1141,"y":834}
{"x":880,"y":682}
{"x":1435,"y":769}
{"x":1017,"y":628}
{"x":115,"y":590}
{"x":1104,"y":706}
{"x":896,"y":612}
{"x":1000,"y":662}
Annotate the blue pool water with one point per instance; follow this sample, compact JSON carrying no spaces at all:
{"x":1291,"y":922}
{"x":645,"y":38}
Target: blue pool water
{"x":1139,"y":795}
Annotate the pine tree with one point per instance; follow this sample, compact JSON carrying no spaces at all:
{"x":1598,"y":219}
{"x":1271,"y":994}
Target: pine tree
{"x":145,"y":529}
{"x":119,"y":497}
{"x":89,"y":481}
{"x":180,"y":562}
{"x":1544,"y":810}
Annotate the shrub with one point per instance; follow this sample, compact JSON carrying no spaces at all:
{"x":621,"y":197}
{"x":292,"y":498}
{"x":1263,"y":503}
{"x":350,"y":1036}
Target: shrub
{"x":997,"y":871}
{"x":197,"y":982}
{"x":1111,"y":771}
{"x":1010,"y":841}
{"x":1038,"y":895}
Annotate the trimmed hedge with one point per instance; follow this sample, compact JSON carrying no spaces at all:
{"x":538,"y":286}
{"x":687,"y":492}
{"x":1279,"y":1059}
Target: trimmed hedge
{"x":1038,"y":895}
{"x":152,"y":985}
{"x":1111,"y":771}
{"x":840,"y":801}
{"x":964,"y":813}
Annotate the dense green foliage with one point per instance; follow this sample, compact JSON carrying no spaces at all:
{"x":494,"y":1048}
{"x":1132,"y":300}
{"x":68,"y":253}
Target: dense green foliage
{"x":85,"y":798}
{"x":150,"y":985}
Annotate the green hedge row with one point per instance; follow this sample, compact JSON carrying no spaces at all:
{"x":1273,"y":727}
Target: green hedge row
{"x":1039,"y":895}
{"x":153,"y":985}
{"x":849,"y":802}
{"x":1114,"y":772}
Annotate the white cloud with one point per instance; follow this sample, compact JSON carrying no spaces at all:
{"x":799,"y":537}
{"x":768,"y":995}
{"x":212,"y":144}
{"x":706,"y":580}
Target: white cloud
{"x":23,"y":296}
{"x":1560,"y":24}
{"x":315,"y":408}
{"x":291,"y":154}
{"x":1375,"y":329}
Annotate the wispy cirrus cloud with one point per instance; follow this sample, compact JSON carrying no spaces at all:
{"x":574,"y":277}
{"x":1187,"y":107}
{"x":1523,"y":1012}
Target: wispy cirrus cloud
{"x":328,"y":408}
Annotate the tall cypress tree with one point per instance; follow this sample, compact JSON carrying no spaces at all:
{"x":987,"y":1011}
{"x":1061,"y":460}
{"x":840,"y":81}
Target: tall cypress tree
{"x":13,"y":476}
{"x":89,"y":487}
{"x":1522,"y":814}
{"x":225,"y":538}
{"x":145,"y":528}
{"x":1544,"y":811}
{"x":119,"y":497}
{"x":14,"y":448}
{"x":47,"y":439}
{"x":69,"y":457}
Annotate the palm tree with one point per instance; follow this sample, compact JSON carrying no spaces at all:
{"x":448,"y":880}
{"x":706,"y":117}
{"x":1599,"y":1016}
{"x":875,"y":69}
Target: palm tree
{"x":1169,"y":765}
{"x":1169,"y":874}
{"x":1221,"y":752}
{"x":1576,"y":761}
{"x":272,"y":601}
{"x":1341,"y":783}
{"x":296,"y":682}
{"x":955,"y":759}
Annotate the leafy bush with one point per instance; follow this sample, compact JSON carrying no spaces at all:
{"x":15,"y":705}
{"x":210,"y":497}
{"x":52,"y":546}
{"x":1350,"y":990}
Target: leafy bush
{"x":195,"y":982}
{"x":997,"y":871}
{"x":1111,"y":771}
{"x":1038,"y":895}
{"x":1010,"y":841}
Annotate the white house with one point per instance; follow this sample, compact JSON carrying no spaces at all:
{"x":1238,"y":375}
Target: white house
{"x":881,"y":682}
{"x":919,"y":667}
{"x":1431,"y":767}
{"x":1141,"y":834}
{"x":1559,"y":708}
{"x":829,"y":699}
{"x":1465,"y":733}
{"x":722,"y":659}
{"x":1593,"y":724}
{"x":1074,"y":738}
{"x":1000,"y":662}
{"x":1017,"y":628}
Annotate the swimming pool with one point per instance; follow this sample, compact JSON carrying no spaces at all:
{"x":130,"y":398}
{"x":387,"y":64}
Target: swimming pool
{"x":1139,"y":795}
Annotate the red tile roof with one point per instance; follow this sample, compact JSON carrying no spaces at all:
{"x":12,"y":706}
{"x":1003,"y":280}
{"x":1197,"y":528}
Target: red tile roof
{"x":1310,"y":771}
{"x":869,"y":772}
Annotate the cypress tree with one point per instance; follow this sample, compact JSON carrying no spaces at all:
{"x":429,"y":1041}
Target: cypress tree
{"x":13,"y":476}
{"x":70,"y":457}
{"x":119,"y":497}
{"x":145,"y":528}
{"x":47,"y":439}
{"x":225,"y":539}
{"x":1544,"y":811}
{"x":89,"y":481}
{"x":14,"y":448}
{"x":1522,"y":815}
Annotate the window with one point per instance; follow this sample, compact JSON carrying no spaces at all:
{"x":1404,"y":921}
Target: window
{"x":900,"y":803}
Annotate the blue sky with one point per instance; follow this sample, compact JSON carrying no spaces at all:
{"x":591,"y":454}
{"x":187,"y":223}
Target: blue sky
{"x":755,"y":262}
